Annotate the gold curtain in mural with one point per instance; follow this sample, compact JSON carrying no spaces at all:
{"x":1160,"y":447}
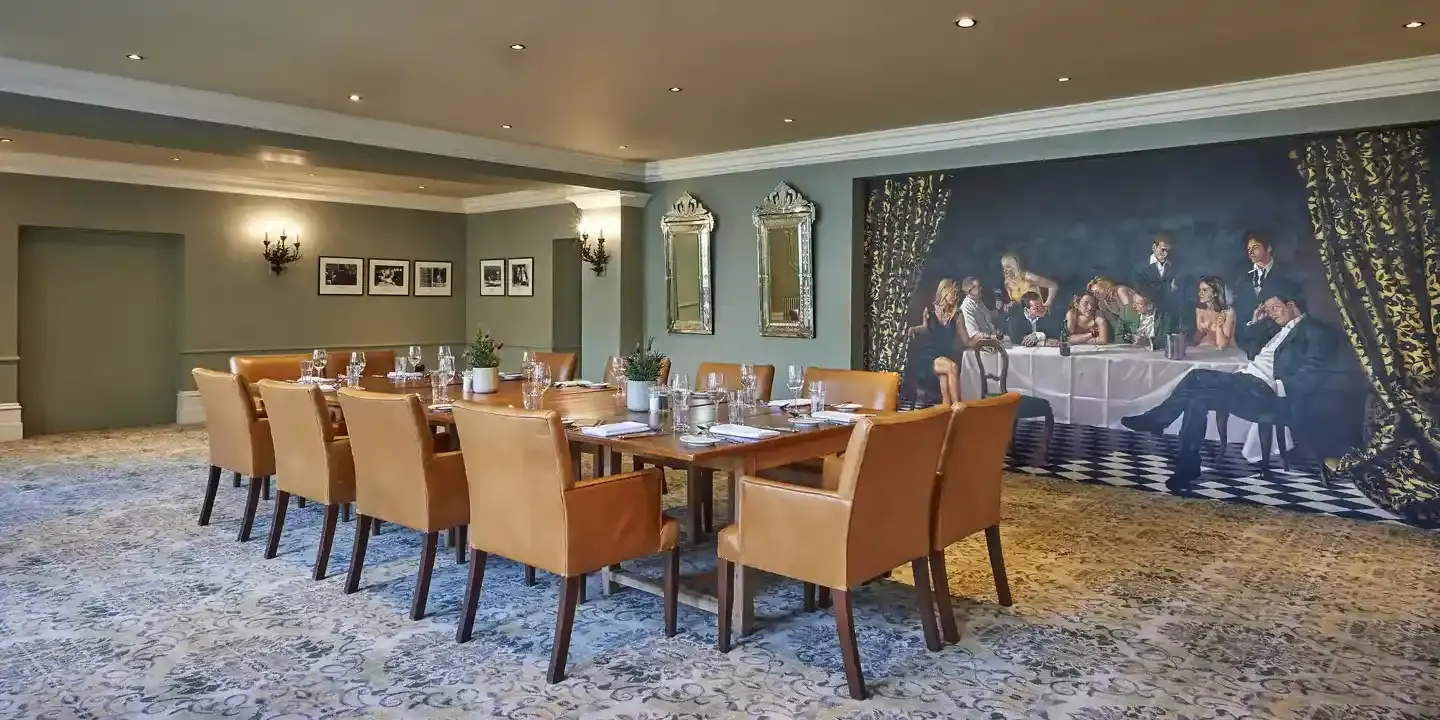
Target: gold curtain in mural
{"x":1374,"y":217}
{"x":900,"y":222}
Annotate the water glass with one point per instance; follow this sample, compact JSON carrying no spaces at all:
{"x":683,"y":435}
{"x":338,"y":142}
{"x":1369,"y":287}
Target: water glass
{"x":534,"y":397}
{"x":796,"y":380}
{"x":352,"y":374}
{"x":817,"y":397}
{"x":399,"y":366}
{"x":322,"y":360}
{"x":680,"y":407}
{"x":307,"y":371}
{"x":439,"y":390}
{"x":735,"y":407}
{"x":444,"y":352}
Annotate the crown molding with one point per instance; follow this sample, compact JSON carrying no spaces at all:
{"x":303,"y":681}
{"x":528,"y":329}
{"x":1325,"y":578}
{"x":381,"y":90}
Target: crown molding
{"x":1325,"y":87}
{"x":521,"y":199}
{"x":608,"y":199}
{"x":106,"y":171}
{"x":57,"y":83}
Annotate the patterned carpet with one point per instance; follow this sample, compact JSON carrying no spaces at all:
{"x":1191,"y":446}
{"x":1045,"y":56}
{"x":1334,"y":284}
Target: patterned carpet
{"x":113,"y":603}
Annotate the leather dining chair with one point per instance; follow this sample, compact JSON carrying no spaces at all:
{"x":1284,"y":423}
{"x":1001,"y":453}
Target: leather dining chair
{"x":764,"y":377}
{"x":1030,"y":406}
{"x":871,"y":389}
{"x":967,"y":494}
{"x":871,"y":514}
{"x":562,"y":365}
{"x":400,"y":479}
{"x":312,"y":461}
{"x":377,"y":362}
{"x":239,"y":441}
{"x":254,"y":368}
{"x":527,"y":505}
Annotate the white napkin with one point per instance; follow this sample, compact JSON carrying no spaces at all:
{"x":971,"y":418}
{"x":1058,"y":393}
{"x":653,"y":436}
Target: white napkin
{"x":571,"y":383}
{"x":613,"y":429}
{"x":838,"y":417}
{"x":797,"y":402}
{"x":743,"y":431}
{"x":442,"y":406}
{"x":404,"y":376}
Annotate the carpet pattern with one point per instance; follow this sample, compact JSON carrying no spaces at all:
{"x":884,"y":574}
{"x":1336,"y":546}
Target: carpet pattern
{"x":113,"y":603}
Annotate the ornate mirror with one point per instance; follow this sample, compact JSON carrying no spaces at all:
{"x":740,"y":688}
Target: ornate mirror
{"x":787,"y":269}
{"x":687,"y":228}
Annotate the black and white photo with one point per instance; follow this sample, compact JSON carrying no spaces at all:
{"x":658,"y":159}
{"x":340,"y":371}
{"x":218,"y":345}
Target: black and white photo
{"x":492,"y":278}
{"x":389,"y":277}
{"x":433,"y":279}
{"x":341,"y":276}
{"x":520,"y":277}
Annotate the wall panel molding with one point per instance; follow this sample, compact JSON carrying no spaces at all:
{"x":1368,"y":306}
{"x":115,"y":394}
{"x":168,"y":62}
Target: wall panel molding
{"x":10,"y":423}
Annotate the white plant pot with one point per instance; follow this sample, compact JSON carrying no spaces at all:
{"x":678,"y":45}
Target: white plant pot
{"x":485,"y":380}
{"x":637,"y":395}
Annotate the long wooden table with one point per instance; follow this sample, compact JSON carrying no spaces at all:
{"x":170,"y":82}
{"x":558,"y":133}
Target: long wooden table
{"x":736,"y":458}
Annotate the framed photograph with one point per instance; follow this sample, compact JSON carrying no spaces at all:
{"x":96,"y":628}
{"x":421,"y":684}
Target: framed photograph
{"x":389,"y":277}
{"x":492,"y":278}
{"x":341,"y":276}
{"x":520,"y":277}
{"x":433,"y":279}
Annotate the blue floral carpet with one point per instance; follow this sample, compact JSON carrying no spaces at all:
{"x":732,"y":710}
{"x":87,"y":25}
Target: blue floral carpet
{"x":114,"y":604}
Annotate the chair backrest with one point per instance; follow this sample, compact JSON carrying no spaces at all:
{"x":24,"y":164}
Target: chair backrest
{"x":764,"y":377}
{"x":663,"y":379}
{"x":562,"y":365}
{"x":377,"y":362}
{"x":517,"y":464}
{"x":874,"y":390}
{"x":967,"y":495}
{"x":391,"y":443}
{"x":888,"y":473}
{"x":230,"y":421}
{"x":995,"y":347}
{"x":300,"y":426}
{"x":254,"y":368}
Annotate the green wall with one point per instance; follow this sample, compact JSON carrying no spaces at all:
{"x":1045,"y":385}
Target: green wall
{"x":230,"y":302}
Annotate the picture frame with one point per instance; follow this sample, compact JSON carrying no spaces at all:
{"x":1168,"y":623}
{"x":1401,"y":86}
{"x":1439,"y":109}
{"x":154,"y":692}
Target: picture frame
{"x":434,"y":278}
{"x":340,"y":276}
{"x":520,"y":277}
{"x":492,"y":278}
{"x":388,"y":277}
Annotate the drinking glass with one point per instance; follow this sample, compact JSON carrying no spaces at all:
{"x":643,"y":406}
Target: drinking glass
{"x":617,"y":377}
{"x":358,"y":358}
{"x":446,"y":374}
{"x":534,"y":397}
{"x":748,"y":384}
{"x":307,"y":371}
{"x":322,"y":359}
{"x":715,"y":386}
{"x":352,"y":374}
{"x":817,"y":397}
{"x":443,"y":352}
{"x":399,"y":367}
{"x":527,"y":363}
{"x":680,"y":406}
{"x":413,"y":354}
{"x":540,"y":376}
{"x":796,"y":380}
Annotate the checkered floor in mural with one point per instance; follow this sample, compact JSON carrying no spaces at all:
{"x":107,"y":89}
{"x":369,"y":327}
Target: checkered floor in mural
{"x":1142,"y":461}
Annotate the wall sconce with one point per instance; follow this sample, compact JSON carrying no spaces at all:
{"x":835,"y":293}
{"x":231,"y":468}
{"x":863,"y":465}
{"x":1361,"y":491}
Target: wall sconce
{"x":281,"y":254}
{"x":596,"y":256}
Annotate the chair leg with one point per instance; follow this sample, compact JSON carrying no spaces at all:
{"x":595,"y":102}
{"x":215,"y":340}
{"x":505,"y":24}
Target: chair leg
{"x":327,"y":539}
{"x":299,"y":501}
{"x":266,"y":487}
{"x":211,"y":487}
{"x":345,"y":512}
{"x":235,"y":479}
{"x":849,"y":653}
{"x":277,"y":523}
{"x":252,"y":500}
{"x":357,"y":559}
{"x":450,"y":538}
{"x":921,"y":568}
{"x":808,"y":601}
{"x":822,"y":597}
{"x":726,"y":591}
{"x":461,"y":540}
{"x":375,"y":527}
{"x":530,"y":575}
{"x":672,"y":588}
{"x":997,"y":565}
{"x":472,"y":596}
{"x":693,"y":500}
{"x":707,"y":501}
{"x":564,"y":623}
{"x":422,"y":581}
{"x":581,"y":598}
{"x":940,"y":579}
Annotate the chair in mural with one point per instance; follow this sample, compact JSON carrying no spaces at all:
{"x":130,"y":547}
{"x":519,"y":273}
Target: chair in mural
{"x":1030,"y":406}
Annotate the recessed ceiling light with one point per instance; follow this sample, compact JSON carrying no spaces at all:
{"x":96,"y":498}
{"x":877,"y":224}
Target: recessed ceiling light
{"x":505,"y":127}
{"x":676,"y":89}
{"x":517,"y":46}
{"x":965,"y":22}
{"x":354,"y":98}
{"x":622,"y":147}
{"x":134,"y":56}
{"x":1414,"y":24}
{"x":789,"y":120}
{"x":6,"y":140}
{"x":422,"y":187}
{"x":311,"y":174}
{"x":174,"y":159}
{"x":1062,"y":79}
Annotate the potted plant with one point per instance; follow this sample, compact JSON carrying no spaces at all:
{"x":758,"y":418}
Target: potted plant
{"x":642,"y":370}
{"x":483,"y":354}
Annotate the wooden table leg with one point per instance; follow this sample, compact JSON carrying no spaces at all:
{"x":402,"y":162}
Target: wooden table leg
{"x":745,"y":579}
{"x":608,"y":586}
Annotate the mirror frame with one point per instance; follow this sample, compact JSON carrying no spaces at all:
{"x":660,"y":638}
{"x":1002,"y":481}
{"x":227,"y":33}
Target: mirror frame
{"x":786,"y":207}
{"x":687,"y":215}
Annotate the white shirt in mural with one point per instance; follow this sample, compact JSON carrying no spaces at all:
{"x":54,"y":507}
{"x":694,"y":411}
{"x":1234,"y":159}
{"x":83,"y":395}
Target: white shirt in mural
{"x":1263,"y":366}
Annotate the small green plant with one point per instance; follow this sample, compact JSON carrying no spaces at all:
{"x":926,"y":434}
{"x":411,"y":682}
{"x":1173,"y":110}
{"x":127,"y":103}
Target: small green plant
{"x":483,"y":351}
{"x":643,"y":364}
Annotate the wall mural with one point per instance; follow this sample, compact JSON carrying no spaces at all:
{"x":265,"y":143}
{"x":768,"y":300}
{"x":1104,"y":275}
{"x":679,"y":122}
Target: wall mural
{"x":1089,"y":269}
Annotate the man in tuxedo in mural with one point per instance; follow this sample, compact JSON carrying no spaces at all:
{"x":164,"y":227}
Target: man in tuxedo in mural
{"x":1160,"y":280}
{"x":1266,"y":278}
{"x":1293,"y":356}
{"x":1030,"y":325}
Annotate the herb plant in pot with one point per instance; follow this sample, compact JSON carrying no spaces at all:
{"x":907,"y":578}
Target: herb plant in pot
{"x":642,"y":370}
{"x":483,"y":354}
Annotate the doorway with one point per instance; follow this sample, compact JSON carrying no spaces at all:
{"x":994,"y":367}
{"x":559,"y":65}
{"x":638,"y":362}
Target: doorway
{"x":98,"y":329}
{"x":565,"y":268}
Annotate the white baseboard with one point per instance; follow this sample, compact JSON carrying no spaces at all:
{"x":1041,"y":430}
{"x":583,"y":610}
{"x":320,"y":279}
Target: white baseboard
{"x":10,"y":426}
{"x":188,"y":410}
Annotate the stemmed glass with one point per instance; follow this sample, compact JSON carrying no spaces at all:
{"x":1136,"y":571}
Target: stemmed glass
{"x":321,"y":359}
{"x":796,"y":381}
{"x":540,"y":376}
{"x":414,"y":356}
{"x":527,"y":364}
{"x":358,"y":358}
{"x":444,"y":374}
{"x":680,"y":400}
{"x":748,"y":384}
{"x":444,"y":352}
{"x":715,"y":386}
{"x":617,"y":376}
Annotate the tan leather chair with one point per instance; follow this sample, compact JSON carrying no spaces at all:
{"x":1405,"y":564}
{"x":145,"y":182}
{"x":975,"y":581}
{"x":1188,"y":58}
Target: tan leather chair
{"x":871,"y":514}
{"x":399,"y":478}
{"x":662,"y":379}
{"x":312,"y":461}
{"x":526,"y":505}
{"x":377,"y":362}
{"x":562,"y":365}
{"x":873,"y":390}
{"x":254,"y":368}
{"x":764,"y":377}
{"x":239,"y":441}
{"x":967,"y":493}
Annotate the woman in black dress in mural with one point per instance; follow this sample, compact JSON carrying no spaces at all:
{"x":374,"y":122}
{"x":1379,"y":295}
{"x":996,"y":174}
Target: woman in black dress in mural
{"x":936,"y":337}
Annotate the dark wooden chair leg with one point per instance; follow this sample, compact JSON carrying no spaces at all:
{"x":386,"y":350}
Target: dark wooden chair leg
{"x":252,"y":501}
{"x":299,"y":501}
{"x":530,"y":575}
{"x":849,"y":652}
{"x":472,"y":595}
{"x":808,"y":601}
{"x":266,"y":487}
{"x":564,"y":623}
{"x":235,"y":479}
{"x":693,"y":500}
{"x":726,"y":591}
{"x":940,"y":579}
{"x":450,"y":538}
{"x":672,"y":589}
{"x":211,"y":487}
{"x":462,"y":533}
{"x":357,"y":558}
{"x":277,"y":523}
{"x":580,"y":599}
{"x":997,"y":565}
{"x":422,"y":581}
{"x":921,"y":568}
{"x":707,"y":501}
{"x":345,"y":512}
{"x":822,"y":597}
{"x":375,"y":527}
{"x":327,"y":539}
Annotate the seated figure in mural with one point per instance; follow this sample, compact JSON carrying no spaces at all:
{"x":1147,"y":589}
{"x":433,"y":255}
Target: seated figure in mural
{"x":1112,"y":297}
{"x":1214,"y":318}
{"x":1293,"y":356}
{"x":936,"y":339}
{"x":1144,"y":321}
{"x":979,"y":320}
{"x":1019,"y":281}
{"x":1087,"y":325}
{"x":1031,"y":324}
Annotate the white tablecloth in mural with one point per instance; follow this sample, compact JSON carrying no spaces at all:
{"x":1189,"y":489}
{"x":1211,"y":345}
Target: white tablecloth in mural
{"x":1098,"y":385}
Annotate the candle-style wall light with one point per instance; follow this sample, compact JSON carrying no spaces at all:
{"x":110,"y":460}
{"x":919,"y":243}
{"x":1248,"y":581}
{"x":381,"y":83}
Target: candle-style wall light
{"x":281,"y":253}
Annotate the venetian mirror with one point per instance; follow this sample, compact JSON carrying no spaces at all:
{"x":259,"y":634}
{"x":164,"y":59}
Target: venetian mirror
{"x":687,"y":227}
{"x":787,"y":270}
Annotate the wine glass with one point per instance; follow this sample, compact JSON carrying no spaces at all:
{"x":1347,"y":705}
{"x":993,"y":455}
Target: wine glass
{"x":446,"y":373}
{"x":679,"y":381}
{"x":322,"y":360}
{"x":617,"y":376}
{"x":444,"y":352}
{"x":527,"y":363}
{"x":715,"y":386}
{"x":358,"y":358}
{"x":540,"y":375}
{"x":796,"y":381}
{"x":413,"y":354}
